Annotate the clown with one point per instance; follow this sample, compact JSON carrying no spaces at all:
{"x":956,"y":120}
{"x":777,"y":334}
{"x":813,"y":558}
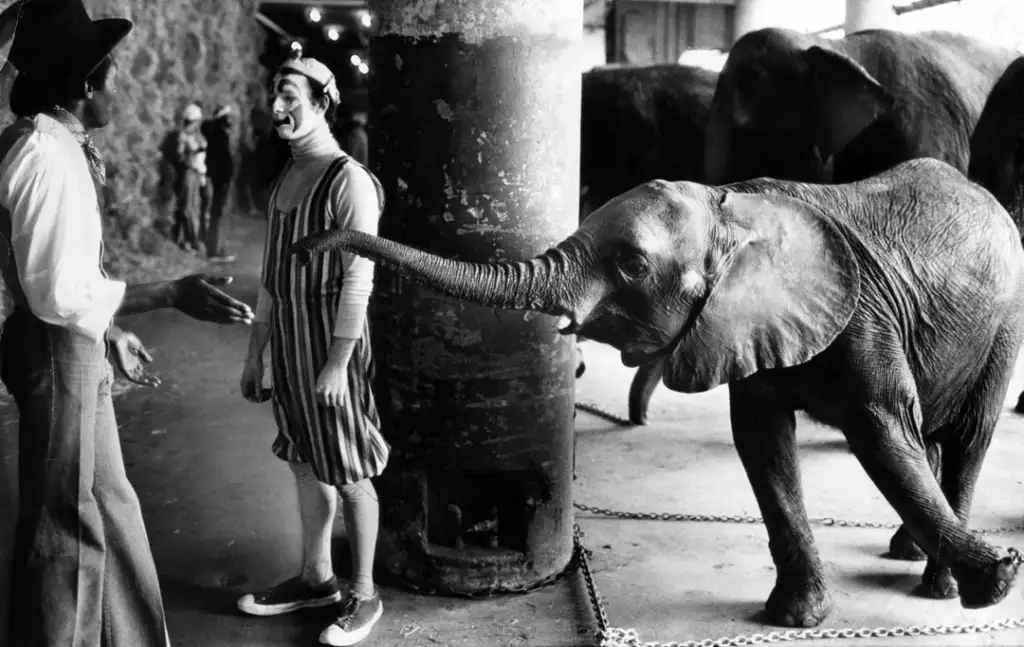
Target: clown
{"x":314,"y":318}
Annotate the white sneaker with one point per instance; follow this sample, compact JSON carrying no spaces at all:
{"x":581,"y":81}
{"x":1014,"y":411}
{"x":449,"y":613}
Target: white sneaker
{"x":354,"y":623}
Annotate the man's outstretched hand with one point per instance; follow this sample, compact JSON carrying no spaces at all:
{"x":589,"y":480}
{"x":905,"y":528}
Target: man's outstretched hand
{"x":198,"y":296}
{"x":130,"y":357}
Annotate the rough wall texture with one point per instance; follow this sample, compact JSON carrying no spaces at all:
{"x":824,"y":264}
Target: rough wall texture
{"x":179,"y":51}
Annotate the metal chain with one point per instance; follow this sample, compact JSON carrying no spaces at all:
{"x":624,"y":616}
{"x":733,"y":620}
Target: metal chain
{"x":601,"y":413}
{"x":750,"y":519}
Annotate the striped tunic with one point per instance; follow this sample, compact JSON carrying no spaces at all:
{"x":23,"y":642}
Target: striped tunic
{"x":344,"y":444}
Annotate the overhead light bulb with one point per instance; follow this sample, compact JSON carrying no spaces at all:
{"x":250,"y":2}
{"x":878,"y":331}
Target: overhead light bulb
{"x":364,"y":68}
{"x":315,"y":15}
{"x":366,"y":19}
{"x":332,"y":33}
{"x":356,"y":60}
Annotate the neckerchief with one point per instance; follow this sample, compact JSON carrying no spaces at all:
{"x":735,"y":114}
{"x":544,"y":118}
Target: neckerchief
{"x":92,"y":152}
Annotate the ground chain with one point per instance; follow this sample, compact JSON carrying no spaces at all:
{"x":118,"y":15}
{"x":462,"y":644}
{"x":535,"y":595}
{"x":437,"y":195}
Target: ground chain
{"x":608,"y":636}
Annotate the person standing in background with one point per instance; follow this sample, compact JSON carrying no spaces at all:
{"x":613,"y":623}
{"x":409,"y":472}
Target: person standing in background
{"x":191,"y":156}
{"x":220,"y":170}
{"x":351,"y":134}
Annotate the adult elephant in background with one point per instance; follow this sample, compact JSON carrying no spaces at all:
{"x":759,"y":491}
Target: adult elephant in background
{"x":997,"y":149}
{"x":795,"y":106}
{"x":640,"y":123}
{"x":997,"y":144}
{"x":800,"y":107}
{"x":891,"y":308}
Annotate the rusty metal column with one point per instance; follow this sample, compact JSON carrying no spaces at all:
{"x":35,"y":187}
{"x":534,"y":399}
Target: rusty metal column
{"x":475,"y":135}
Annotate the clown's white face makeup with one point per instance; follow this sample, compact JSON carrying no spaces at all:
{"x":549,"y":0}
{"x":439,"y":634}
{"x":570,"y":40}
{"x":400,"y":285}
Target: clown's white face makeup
{"x":295,"y":113}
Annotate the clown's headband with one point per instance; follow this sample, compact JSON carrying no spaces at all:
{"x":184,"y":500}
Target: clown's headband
{"x":313,"y":69}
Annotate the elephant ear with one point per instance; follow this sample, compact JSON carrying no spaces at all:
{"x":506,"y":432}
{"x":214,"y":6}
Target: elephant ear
{"x":843,"y":100}
{"x":784,"y":290}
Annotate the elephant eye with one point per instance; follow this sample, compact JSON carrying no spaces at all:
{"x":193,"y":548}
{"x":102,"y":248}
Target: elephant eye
{"x":632,"y":265}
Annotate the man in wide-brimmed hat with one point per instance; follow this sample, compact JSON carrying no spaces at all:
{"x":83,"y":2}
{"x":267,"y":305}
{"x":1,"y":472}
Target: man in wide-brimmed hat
{"x":82,"y":569}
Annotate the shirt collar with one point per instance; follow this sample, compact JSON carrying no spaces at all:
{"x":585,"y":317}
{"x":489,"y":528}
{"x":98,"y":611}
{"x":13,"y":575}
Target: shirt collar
{"x":69,"y":121}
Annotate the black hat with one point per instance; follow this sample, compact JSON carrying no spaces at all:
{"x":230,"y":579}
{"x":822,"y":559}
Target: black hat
{"x":57,"y":38}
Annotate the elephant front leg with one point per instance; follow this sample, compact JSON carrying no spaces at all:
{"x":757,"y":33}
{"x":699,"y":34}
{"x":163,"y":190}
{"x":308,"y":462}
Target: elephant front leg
{"x":765,"y":438}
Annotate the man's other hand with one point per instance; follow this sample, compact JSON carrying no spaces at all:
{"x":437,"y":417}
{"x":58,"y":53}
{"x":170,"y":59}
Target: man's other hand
{"x":198,"y":296}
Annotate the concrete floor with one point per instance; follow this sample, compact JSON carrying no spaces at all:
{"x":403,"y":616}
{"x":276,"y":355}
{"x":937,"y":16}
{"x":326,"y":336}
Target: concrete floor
{"x":221,"y":515}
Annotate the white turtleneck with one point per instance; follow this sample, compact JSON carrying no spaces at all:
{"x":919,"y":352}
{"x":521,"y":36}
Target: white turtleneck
{"x":353,"y":203}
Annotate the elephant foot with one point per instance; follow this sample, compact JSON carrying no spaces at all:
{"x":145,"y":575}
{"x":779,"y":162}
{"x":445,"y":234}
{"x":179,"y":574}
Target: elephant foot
{"x":1020,"y":404}
{"x":986,"y":586}
{"x":937,"y":583}
{"x":798,"y":603}
{"x":903,"y":548}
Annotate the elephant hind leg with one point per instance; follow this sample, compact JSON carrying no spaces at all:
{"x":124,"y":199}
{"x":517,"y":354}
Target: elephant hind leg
{"x":885,"y":438}
{"x":964,"y":446}
{"x":902,"y":547}
{"x":645,"y":381}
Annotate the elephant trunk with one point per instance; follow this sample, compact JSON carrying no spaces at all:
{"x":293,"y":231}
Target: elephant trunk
{"x":540,"y":284}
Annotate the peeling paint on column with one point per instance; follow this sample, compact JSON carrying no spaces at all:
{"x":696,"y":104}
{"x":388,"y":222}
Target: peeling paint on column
{"x":443,"y":109}
{"x":477,"y":21}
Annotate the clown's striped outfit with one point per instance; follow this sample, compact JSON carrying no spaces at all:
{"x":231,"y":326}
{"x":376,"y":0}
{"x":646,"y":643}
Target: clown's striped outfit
{"x":310,"y":305}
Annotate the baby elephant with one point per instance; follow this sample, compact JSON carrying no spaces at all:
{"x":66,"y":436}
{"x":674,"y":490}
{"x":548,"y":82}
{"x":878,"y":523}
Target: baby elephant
{"x":890,"y":308}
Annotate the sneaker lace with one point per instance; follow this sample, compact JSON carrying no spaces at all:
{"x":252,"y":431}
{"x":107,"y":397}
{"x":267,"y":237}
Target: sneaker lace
{"x":348,"y":612}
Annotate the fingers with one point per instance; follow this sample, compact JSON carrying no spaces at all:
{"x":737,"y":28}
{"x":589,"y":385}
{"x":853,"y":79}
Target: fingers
{"x":141,"y":352}
{"x":218,"y":281}
{"x":330,"y":397}
{"x":145,"y":379}
{"x":223,"y":307}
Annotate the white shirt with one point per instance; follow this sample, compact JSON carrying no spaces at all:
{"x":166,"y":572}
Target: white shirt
{"x":56,"y":232}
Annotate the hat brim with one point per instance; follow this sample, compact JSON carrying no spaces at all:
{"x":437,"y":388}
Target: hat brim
{"x":111,"y":32}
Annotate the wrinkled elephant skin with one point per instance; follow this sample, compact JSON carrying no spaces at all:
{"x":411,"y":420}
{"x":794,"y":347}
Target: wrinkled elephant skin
{"x":843,"y":301}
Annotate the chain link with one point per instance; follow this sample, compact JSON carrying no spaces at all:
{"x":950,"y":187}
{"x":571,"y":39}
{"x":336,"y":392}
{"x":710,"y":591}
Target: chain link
{"x":601,"y":413}
{"x":750,"y":519}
